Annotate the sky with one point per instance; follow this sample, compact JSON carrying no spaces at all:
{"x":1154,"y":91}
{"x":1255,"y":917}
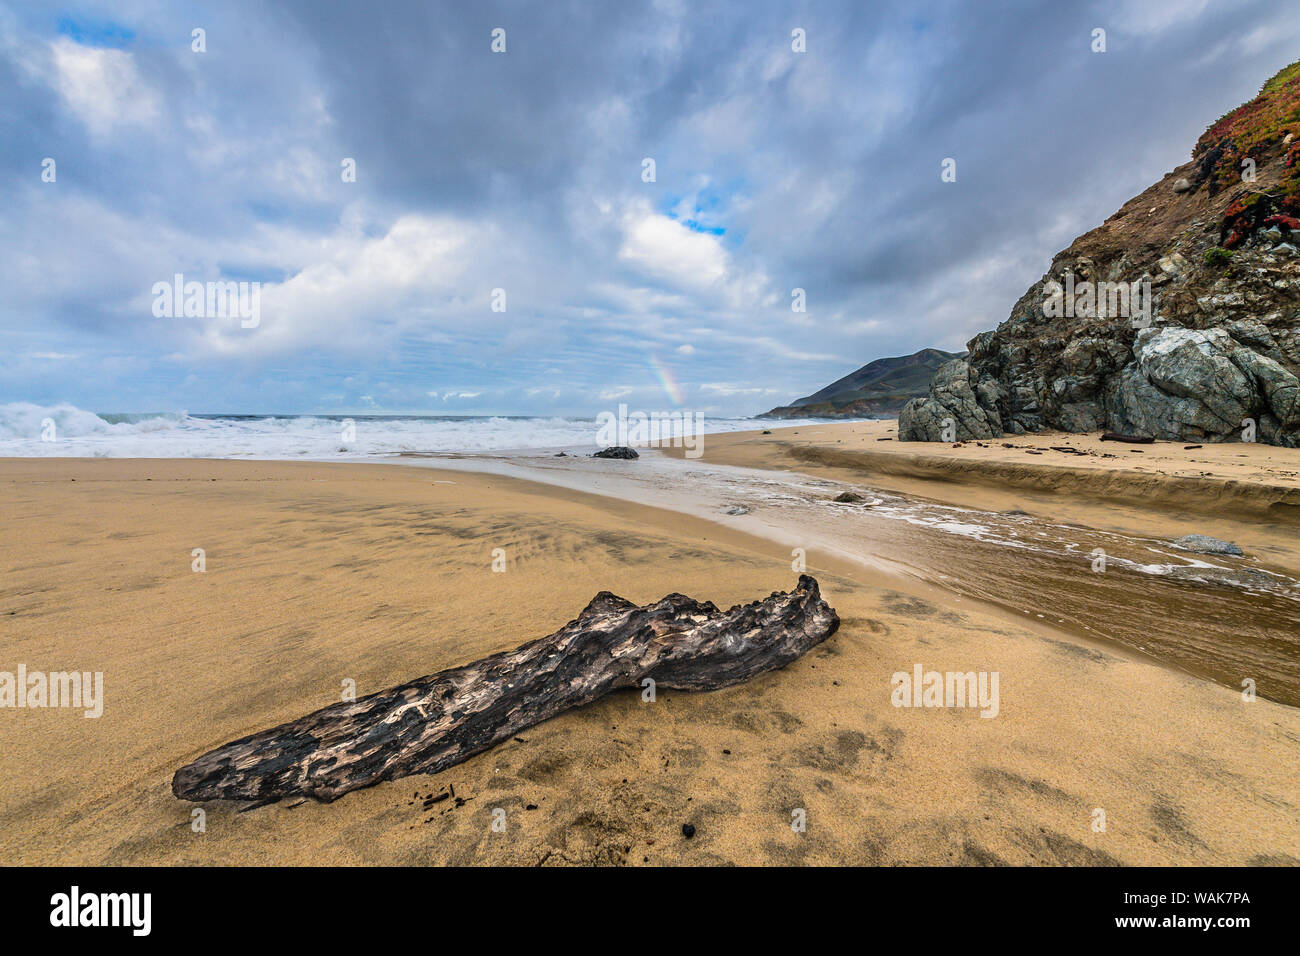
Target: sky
{"x":524,"y":170}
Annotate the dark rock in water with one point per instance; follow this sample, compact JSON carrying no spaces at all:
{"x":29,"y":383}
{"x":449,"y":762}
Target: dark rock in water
{"x":431,"y":723}
{"x":1178,"y":318}
{"x":688,"y":830}
{"x":560,"y":454}
{"x":1204,"y":544}
{"x":848,"y":498}
{"x":617,"y":451}
{"x":737,"y":510}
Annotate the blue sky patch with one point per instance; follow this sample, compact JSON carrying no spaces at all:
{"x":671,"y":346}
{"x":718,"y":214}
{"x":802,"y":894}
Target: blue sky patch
{"x":100,"y":33}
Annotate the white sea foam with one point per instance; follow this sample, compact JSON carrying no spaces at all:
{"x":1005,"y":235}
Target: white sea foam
{"x":79,"y":433}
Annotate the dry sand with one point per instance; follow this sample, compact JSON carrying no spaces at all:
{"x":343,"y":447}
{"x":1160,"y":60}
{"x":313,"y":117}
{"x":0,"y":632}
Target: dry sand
{"x":321,"y":573}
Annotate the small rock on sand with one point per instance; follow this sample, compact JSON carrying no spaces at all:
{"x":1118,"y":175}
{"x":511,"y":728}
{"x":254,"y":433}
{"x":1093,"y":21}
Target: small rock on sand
{"x":1204,"y":544}
{"x":617,"y":451}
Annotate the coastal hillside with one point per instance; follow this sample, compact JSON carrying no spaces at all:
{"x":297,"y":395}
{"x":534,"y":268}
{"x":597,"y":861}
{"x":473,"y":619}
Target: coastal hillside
{"x":879,"y":388}
{"x":1215,"y":358}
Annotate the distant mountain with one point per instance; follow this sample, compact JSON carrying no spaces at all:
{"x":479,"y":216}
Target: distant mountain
{"x":878,"y":389}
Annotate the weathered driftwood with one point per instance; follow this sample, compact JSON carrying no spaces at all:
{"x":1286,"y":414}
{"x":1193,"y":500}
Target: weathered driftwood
{"x":438,"y":721}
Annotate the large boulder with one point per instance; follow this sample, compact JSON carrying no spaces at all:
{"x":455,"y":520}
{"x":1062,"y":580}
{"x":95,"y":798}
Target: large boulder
{"x":958,"y":408}
{"x":1186,"y":384}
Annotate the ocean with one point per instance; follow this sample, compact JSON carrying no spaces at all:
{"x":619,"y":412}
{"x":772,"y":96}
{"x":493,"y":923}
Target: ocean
{"x":30,"y":431}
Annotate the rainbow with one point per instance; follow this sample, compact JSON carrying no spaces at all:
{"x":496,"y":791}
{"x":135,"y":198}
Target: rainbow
{"x":669,"y":382}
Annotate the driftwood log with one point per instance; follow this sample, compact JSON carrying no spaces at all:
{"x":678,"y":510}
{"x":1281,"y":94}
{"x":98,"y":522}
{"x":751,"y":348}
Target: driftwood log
{"x":438,"y":721}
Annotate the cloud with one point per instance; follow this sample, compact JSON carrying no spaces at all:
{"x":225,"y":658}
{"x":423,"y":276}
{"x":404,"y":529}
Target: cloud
{"x":358,"y":283}
{"x":666,"y":249}
{"x":1145,"y":17}
{"x":522,"y":171}
{"x":102,"y":86}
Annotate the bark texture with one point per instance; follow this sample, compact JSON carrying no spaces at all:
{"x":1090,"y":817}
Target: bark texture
{"x":435,"y":722}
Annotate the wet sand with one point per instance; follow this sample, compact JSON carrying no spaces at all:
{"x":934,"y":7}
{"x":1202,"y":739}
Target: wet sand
{"x":321,"y":573}
{"x":1130,"y":486}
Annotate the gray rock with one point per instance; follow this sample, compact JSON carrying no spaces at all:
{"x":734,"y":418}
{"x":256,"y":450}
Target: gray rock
{"x":954,"y":402}
{"x":988,"y":393}
{"x":1081,"y":417}
{"x":1187,"y":384}
{"x":1075,"y":388}
{"x":617,"y":451}
{"x":1204,"y":544}
{"x":1278,"y":387}
{"x":1175,"y":264}
{"x":1082,"y":355}
{"x":1252,"y":332}
{"x":1223,"y":577}
{"x":1193,"y":365}
{"x":1136,"y":407}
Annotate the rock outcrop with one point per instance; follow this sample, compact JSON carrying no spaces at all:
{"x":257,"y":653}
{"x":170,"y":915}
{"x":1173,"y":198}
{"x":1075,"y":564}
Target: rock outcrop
{"x":1178,"y":318}
{"x":954,"y":411}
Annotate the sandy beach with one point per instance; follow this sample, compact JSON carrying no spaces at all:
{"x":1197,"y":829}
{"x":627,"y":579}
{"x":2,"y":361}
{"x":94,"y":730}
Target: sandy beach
{"x":1255,"y":484}
{"x":317,"y":574}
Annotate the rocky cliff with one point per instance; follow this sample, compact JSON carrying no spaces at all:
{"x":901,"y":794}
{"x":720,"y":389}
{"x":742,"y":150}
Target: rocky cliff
{"x":1177,"y":318}
{"x":880,"y":388}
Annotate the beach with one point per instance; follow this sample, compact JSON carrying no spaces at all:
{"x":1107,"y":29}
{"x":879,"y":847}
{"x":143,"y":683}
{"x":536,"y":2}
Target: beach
{"x":317,"y":576}
{"x":1252,"y":482}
